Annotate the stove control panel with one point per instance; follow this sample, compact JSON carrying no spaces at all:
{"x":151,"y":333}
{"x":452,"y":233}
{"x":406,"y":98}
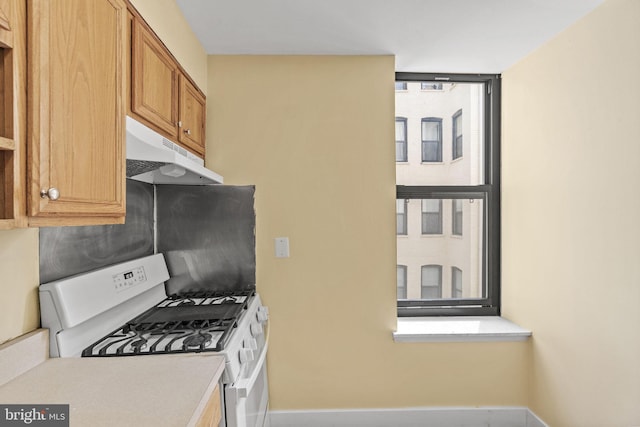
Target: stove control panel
{"x":128,"y":279}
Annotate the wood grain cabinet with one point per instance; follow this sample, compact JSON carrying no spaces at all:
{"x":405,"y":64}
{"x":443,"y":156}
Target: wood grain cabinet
{"x":162,"y":96}
{"x":192,"y":116}
{"x":212,"y":412}
{"x":12,"y":113}
{"x":76,"y":111}
{"x":154,"y":86}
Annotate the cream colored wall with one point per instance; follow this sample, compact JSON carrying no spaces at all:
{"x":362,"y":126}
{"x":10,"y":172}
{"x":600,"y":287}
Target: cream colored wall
{"x":571,"y":236}
{"x":19,"y":278}
{"x":19,"y":310}
{"x":315,"y":135}
{"x":166,"y":19}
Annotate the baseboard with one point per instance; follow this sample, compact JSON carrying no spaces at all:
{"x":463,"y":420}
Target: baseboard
{"x":409,"y":417}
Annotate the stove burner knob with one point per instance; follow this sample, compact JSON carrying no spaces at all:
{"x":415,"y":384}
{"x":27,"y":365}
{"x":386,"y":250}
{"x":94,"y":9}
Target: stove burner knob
{"x":251,"y":344}
{"x":256,"y":329}
{"x":246,"y":355}
{"x":262,"y":314}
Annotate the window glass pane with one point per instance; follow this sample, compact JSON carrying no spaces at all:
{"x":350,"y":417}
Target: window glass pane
{"x":401,"y":273}
{"x":430,"y":131}
{"x":457,"y":148}
{"x":400,"y":130}
{"x":449,"y":156}
{"x":457,"y":217}
{"x":456,"y":282}
{"x":401,"y":139}
{"x":431,"y":282}
{"x":431,"y":216}
{"x":416,"y":250}
{"x":401,"y":217}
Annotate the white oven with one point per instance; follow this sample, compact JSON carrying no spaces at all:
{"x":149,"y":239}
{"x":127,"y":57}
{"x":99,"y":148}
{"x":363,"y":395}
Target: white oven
{"x":122,"y":310}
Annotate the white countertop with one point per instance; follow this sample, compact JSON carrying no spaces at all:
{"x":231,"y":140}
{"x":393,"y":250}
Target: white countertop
{"x":166,"y":390}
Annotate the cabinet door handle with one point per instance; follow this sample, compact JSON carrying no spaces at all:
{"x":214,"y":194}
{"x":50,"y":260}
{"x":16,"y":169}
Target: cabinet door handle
{"x":187,"y":131}
{"x":52,"y":193}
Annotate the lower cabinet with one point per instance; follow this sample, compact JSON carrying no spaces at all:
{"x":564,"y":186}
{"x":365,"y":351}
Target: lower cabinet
{"x":212,"y":412}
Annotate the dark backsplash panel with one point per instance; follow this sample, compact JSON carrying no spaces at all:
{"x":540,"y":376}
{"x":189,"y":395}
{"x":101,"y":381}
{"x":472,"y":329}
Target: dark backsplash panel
{"x":65,"y":251}
{"x":207,"y":235}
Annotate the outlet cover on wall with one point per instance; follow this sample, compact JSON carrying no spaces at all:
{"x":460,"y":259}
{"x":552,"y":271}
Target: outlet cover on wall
{"x":282,"y":247}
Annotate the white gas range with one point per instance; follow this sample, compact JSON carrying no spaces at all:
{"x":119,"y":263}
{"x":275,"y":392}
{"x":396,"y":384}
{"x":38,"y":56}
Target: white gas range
{"x":122,"y":310}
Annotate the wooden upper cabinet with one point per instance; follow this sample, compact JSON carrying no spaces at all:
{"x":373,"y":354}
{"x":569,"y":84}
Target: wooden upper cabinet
{"x":76,"y":111}
{"x":192,"y":116}
{"x":6,"y":35}
{"x":154,"y":87}
{"x":162,"y":96}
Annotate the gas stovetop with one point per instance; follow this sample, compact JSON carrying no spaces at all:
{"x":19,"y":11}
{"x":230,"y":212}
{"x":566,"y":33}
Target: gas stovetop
{"x":193,"y":322}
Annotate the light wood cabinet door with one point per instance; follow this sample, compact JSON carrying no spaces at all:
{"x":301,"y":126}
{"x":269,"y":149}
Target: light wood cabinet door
{"x":192,"y":117}
{"x":6,"y":35}
{"x":212,"y":412}
{"x":154,"y":85}
{"x":76,"y":110}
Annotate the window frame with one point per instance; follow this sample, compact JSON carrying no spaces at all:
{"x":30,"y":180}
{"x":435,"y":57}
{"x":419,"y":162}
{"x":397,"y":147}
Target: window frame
{"x":436,"y":267}
{"x":437,"y":120}
{"x":454,"y":288}
{"x":424,"y":232}
{"x":405,"y":217}
{"x":454,"y":217}
{"x":402,"y":268}
{"x":457,"y":146}
{"x":488,"y":192}
{"x":404,"y":143}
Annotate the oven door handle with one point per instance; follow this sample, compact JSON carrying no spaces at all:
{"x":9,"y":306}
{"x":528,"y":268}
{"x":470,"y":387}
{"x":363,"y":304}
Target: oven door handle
{"x":243,"y":387}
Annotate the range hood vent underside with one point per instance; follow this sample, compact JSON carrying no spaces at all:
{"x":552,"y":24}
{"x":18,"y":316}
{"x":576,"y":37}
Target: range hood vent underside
{"x":137,"y":167}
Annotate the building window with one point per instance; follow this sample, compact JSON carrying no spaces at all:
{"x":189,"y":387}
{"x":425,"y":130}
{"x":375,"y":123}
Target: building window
{"x":401,"y":217}
{"x":431,"y":216}
{"x":401,"y":139}
{"x":457,"y":135}
{"x":456,"y":214}
{"x":464,"y":196}
{"x":430,"y":86}
{"x":431,"y":139}
{"x":401,"y":281}
{"x":431,"y":282}
{"x":456,"y":282}
{"x":401,"y":85}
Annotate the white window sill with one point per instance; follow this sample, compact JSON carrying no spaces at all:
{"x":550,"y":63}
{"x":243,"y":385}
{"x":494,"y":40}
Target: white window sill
{"x":458,"y":329}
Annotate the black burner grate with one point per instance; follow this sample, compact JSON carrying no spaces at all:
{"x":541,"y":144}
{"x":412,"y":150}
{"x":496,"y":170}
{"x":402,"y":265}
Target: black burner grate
{"x":190,"y":323}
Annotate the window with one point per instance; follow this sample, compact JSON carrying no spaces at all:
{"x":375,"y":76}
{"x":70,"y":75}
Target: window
{"x":401,"y":273}
{"x":430,"y":86}
{"x":456,"y":214}
{"x":431,"y":216}
{"x":401,"y":217}
{"x":456,"y":282}
{"x":401,"y":85}
{"x":431,"y":139}
{"x":457,"y":135}
{"x":460,"y":199}
{"x":401,"y":139}
{"x":431,"y":282}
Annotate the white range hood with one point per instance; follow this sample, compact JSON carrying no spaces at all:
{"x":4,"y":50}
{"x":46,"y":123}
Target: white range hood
{"x":154,"y":159}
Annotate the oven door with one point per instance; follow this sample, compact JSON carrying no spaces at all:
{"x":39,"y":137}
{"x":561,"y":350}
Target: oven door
{"x":247,"y":399}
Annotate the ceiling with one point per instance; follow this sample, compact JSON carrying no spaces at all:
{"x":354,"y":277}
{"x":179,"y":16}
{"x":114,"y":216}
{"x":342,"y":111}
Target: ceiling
{"x":455,"y":36}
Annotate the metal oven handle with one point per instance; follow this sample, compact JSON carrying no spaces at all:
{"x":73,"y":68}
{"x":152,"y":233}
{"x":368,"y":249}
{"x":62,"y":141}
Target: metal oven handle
{"x":243,"y":387}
